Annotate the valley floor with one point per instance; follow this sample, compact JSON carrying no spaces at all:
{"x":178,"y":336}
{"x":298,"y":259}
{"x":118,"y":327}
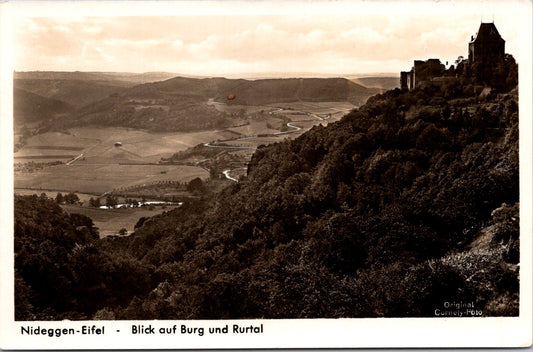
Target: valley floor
{"x":96,"y":161}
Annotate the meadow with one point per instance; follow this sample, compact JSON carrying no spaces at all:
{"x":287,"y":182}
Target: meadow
{"x":111,"y":221}
{"x":100,"y":165}
{"x":333,"y":108}
{"x":255,"y":127}
{"x":96,"y":141}
{"x":101,"y":178}
{"x":98,"y":160}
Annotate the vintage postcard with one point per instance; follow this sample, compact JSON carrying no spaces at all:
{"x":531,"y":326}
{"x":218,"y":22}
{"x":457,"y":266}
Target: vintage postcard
{"x":247,"y":174}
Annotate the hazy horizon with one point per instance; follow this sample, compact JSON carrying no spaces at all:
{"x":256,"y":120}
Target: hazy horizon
{"x":352,"y":38}
{"x":246,"y":75}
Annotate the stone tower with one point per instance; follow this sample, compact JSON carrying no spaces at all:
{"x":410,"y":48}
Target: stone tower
{"x":486,"y":45}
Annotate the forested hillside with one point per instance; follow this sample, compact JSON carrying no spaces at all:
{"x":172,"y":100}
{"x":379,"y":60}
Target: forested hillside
{"x":407,"y":203}
{"x":62,"y":269}
{"x":76,"y":93}
{"x":258,"y":92}
{"x":29,"y":107}
{"x":177,"y":104}
{"x":182,"y":104}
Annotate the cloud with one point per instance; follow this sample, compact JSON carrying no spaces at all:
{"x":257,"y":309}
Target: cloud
{"x":92,"y":29}
{"x":211,"y":44}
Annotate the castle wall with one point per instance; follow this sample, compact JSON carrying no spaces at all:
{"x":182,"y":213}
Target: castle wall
{"x":485,"y":47}
{"x":404,"y":84}
{"x":485,"y":51}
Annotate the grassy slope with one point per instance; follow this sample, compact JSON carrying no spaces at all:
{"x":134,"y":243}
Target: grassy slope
{"x":103,"y":178}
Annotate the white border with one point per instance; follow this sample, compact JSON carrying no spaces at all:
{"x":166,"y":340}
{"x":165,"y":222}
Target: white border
{"x":340,"y":333}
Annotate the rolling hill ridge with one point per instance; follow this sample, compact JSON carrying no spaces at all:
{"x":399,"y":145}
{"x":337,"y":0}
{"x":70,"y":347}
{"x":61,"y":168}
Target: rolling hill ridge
{"x":31,"y":107}
{"x":186,"y":104}
{"x":76,"y":93}
{"x":176,"y":104}
{"x":263,"y":91}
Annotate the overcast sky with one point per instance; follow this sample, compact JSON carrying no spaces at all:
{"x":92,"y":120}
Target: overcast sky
{"x":328,"y":38}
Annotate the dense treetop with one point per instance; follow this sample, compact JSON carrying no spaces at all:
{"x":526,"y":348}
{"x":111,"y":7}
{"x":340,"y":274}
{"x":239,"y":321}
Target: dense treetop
{"x":408,"y":201}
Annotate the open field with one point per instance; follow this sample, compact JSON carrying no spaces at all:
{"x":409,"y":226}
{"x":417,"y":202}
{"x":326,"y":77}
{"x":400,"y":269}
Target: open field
{"x":317,"y":107}
{"x":97,"y":145}
{"x":110,"y":221}
{"x":302,"y":114}
{"x":305,"y":124}
{"x":60,"y":139}
{"x":292,"y":109}
{"x":146,"y":145}
{"x":94,"y":163}
{"x":100,"y":166}
{"x":44,"y":158}
{"x":97,"y":179}
{"x":237,"y":109}
{"x":52,"y":146}
{"x":255,"y":127}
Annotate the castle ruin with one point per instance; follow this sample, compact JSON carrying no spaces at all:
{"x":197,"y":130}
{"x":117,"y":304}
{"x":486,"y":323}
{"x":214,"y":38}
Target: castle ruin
{"x":484,"y":48}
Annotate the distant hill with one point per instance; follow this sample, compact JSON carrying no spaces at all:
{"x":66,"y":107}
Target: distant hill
{"x":145,"y":77}
{"x":384,"y":83}
{"x":135,"y":78}
{"x":300,"y":89}
{"x":180,"y":103}
{"x":55,"y":75}
{"x":74,"y":92}
{"x":265,"y":91}
{"x":82,"y":88}
{"x":159,"y":103}
{"x":30,"y":107}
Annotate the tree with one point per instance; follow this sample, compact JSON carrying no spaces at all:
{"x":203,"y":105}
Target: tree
{"x":94,"y":202}
{"x":111,"y":201}
{"x":140,"y":222}
{"x":59,"y":198}
{"x":72,"y":198}
{"x":196,"y":185}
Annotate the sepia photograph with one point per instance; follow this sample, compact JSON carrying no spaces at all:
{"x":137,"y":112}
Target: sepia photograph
{"x":239,"y":167}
